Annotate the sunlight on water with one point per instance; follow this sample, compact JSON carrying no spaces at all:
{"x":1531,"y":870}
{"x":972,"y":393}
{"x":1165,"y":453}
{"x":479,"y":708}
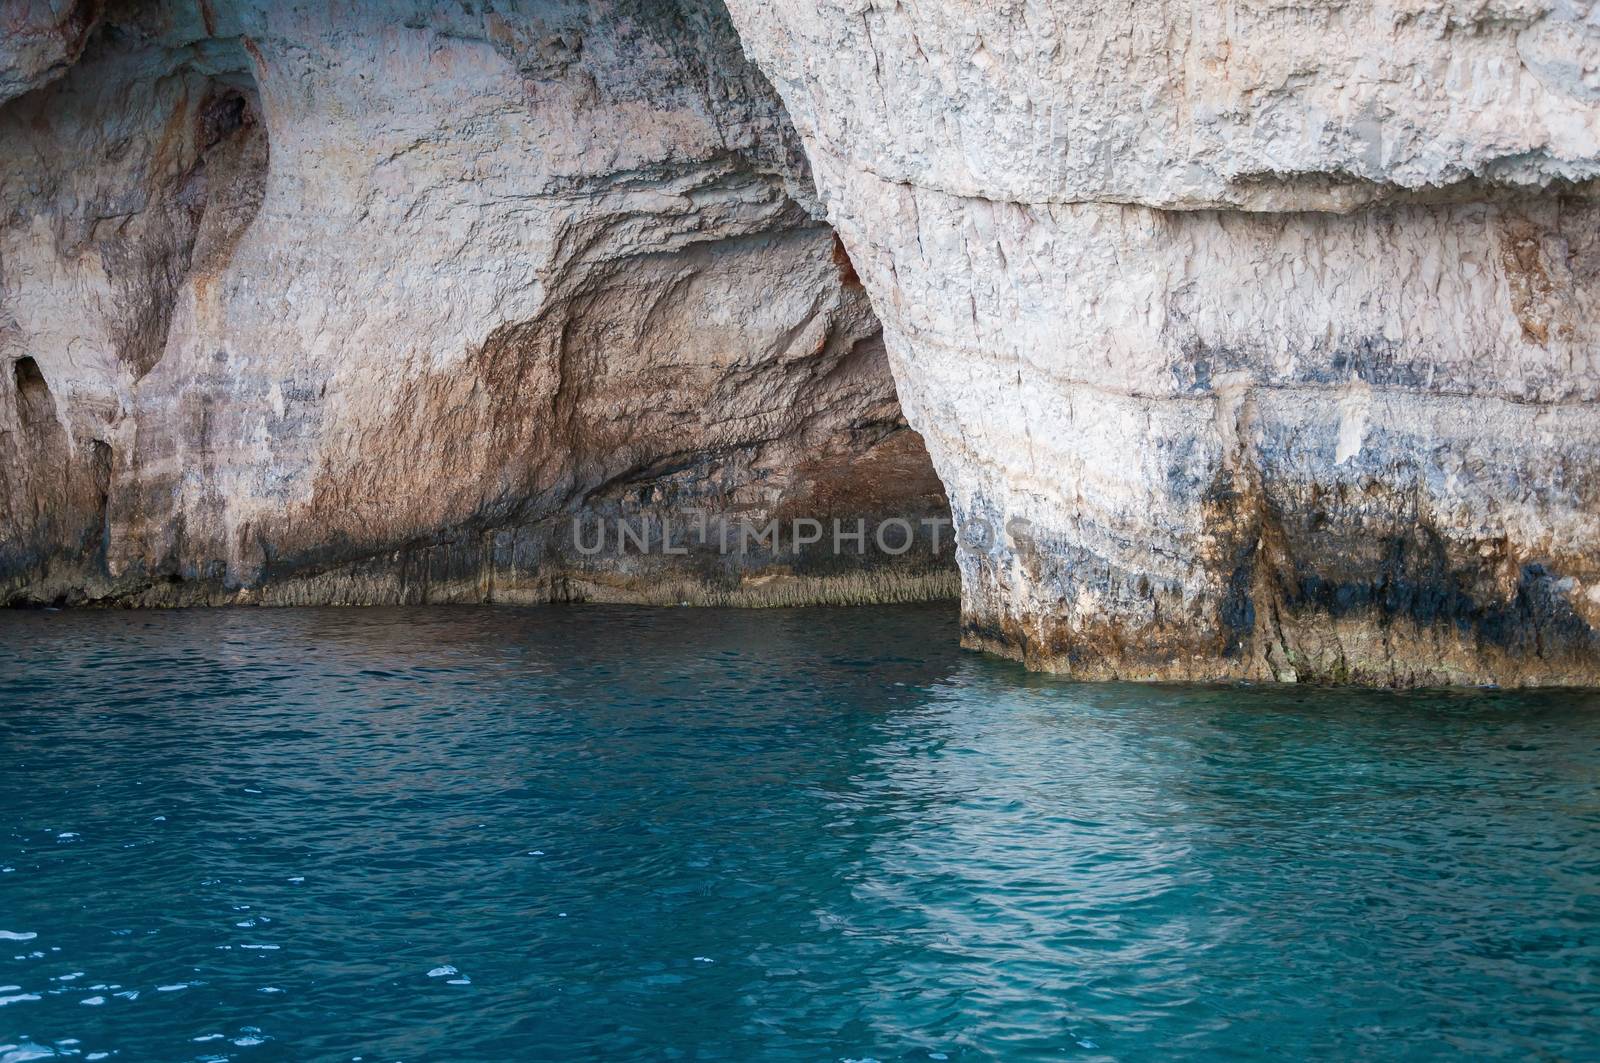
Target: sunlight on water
{"x":617,"y":834}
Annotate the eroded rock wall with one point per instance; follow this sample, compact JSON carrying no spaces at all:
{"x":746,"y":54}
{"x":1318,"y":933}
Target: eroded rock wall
{"x":366,"y":302}
{"x":1264,"y":334}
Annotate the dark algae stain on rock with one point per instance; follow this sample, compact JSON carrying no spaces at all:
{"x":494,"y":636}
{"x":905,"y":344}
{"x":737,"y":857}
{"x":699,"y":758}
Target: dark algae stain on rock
{"x":1341,"y":583}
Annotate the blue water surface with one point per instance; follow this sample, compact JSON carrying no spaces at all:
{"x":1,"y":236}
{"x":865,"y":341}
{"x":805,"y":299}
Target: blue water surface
{"x":623,"y":834}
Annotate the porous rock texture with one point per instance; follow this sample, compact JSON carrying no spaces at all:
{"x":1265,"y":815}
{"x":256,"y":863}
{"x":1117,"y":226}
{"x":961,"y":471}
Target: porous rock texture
{"x":367,"y":301}
{"x":1266,"y":334}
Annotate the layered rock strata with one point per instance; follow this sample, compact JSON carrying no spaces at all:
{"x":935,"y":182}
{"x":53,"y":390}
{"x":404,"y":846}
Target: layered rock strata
{"x":354,"y":303}
{"x":1266,"y":335}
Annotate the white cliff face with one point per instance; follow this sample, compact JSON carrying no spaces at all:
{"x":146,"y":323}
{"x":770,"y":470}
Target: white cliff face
{"x":1266,"y":335}
{"x":363,"y":302}
{"x":1270,"y":332}
{"x":1267,"y":105}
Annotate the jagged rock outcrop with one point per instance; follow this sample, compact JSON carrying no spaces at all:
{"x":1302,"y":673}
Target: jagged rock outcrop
{"x":366,"y":302}
{"x":1268,"y":334}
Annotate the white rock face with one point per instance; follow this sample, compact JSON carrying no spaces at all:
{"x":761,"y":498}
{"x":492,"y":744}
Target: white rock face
{"x":1267,"y":105}
{"x":362,"y":302}
{"x":1266,"y":335}
{"x":1269,"y":333}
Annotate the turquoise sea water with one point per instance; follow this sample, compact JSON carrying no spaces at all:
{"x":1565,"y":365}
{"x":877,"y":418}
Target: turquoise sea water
{"x":595,"y":833}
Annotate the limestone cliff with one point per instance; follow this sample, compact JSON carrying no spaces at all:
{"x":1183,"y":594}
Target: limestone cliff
{"x":1257,"y":340}
{"x":1266,"y":331}
{"x":365,"y":302}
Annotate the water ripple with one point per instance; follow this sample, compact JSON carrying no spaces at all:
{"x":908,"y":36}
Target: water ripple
{"x":786,"y":835}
